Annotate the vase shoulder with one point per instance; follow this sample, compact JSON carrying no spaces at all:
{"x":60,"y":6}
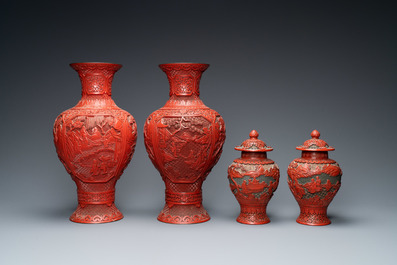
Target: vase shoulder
{"x":314,"y":184}
{"x":203,"y":111}
{"x":253,"y":183}
{"x":79,"y":110}
{"x":300,"y":168}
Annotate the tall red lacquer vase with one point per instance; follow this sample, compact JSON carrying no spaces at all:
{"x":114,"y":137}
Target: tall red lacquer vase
{"x":184,"y":140}
{"x":95,"y":141}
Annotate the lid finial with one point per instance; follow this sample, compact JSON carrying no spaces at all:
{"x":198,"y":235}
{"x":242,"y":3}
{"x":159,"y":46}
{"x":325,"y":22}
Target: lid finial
{"x":254,"y":134}
{"x":315,"y":134}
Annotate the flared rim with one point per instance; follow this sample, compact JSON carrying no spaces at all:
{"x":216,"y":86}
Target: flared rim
{"x":96,"y":63}
{"x":184,"y":64}
{"x":96,"y":66}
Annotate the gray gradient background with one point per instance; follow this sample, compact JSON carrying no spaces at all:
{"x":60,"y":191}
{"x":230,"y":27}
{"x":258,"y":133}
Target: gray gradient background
{"x":282,"y":68}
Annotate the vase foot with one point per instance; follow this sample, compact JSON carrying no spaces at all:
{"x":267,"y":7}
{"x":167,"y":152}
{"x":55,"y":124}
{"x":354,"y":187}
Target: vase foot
{"x":313,"y":216}
{"x":253,"y":216}
{"x":183,"y":214}
{"x":96,"y":214}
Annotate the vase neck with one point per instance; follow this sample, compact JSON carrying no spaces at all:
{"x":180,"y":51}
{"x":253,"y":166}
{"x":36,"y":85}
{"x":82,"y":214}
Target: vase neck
{"x":316,"y":155}
{"x":253,"y":155}
{"x":96,"y":78}
{"x":184,"y":78}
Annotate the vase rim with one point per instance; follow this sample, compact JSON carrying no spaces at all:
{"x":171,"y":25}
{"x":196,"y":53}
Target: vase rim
{"x":184,"y":63}
{"x":95,"y":63}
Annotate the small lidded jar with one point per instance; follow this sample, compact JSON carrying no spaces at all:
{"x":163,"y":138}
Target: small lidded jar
{"x":253,"y":178}
{"x":314,"y":179}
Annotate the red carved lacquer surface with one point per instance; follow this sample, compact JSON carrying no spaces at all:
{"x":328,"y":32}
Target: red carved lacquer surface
{"x":253,"y":179}
{"x":95,"y":141}
{"x":253,"y":185}
{"x":314,"y":183}
{"x":184,"y":140}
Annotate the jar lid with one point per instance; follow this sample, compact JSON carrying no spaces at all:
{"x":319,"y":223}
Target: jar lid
{"x":253,"y":144}
{"x":315,"y":144}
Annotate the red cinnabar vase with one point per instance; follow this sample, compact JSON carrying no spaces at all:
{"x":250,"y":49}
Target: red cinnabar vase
{"x":95,"y":141}
{"x":253,"y":179}
{"x":314,"y":179}
{"x":184,"y":140}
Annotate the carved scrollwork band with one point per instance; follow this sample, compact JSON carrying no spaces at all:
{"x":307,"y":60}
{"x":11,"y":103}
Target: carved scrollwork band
{"x":106,"y":197}
{"x":183,"y":198}
{"x":183,"y":219}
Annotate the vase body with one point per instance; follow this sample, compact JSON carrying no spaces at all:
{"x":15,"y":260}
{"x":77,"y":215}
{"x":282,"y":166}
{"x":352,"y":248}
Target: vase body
{"x":253,"y":179}
{"x":184,"y":141}
{"x":314,"y":180}
{"x":95,"y":141}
